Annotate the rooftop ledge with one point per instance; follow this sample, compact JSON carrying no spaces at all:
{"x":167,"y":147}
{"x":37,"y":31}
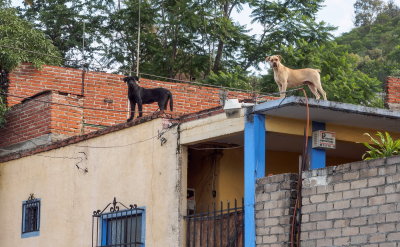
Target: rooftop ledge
{"x":331,"y":112}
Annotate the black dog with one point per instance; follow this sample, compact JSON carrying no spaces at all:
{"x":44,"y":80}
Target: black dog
{"x":140,"y":96}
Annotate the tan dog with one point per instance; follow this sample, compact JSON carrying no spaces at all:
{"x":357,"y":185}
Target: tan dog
{"x":288,"y":78}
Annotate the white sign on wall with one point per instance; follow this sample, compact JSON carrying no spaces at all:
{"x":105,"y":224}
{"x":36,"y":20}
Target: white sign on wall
{"x":324,"y":139}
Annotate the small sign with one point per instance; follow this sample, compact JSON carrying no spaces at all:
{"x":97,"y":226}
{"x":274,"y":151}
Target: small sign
{"x":324,"y":139}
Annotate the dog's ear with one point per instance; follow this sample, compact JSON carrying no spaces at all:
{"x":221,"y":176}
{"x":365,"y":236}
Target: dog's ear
{"x":280,"y":57}
{"x":135,"y":78}
{"x":267,"y":58}
{"x":125,"y":79}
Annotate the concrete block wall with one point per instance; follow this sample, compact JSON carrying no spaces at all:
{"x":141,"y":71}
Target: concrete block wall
{"x":356,"y":204}
{"x":392,"y":100}
{"x":275,"y":198}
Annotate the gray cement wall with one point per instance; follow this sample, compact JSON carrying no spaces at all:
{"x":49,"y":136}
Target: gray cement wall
{"x":356,"y":204}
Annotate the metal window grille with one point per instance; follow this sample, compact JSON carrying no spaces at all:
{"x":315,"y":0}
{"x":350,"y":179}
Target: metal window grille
{"x":216,"y":227}
{"x":31,"y":215}
{"x":118,"y":228}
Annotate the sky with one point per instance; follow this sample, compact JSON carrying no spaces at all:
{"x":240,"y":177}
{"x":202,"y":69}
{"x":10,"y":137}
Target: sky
{"x":338,"y":13}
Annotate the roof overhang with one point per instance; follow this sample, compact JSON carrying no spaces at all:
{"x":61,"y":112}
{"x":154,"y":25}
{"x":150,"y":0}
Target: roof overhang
{"x":332,"y":112}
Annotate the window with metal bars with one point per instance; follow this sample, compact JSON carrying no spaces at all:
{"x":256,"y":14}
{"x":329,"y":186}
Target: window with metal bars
{"x":122,"y":228}
{"x":30,"y":217}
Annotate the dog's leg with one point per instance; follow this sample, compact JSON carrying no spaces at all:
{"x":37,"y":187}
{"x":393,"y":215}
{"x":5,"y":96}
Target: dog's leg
{"x":140,"y":107}
{"x":283,"y":90}
{"x":133,"y":105}
{"x":322,"y":91}
{"x":313,"y":89}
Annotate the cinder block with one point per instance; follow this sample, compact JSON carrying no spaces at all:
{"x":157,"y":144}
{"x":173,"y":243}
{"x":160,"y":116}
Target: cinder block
{"x":351,"y":194}
{"x":360,"y":202}
{"x":317,"y":234}
{"x":318,"y":216}
{"x":337,"y":214}
{"x":324,"y":242}
{"x":387,"y":208}
{"x":351,"y":175}
{"x":394,"y":236}
{"x":377,"y":200}
{"x":377,"y":237}
{"x":393,"y":217}
{"x":341,"y":241}
{"x":376,"y":181}
{"x":360,"y":239}
{"x":334,"y":233}
{"x":351,"y":212}
{"x":389,"y":227}
{"x":341,"y":204}
{"x":368,"y":229}
{"x":324,"y":224}
{"x":341,"y":223}
{"x":334,"y":196}
{"x":359,"y":184}
{"x":359,"y":221}
{"x":393,"y":198}
{"x":393,"y":160}
{"x":310,"y":226}
{"x":269,"y":239}
{"x":325,"y":206}
{"x":367,"y":173}
{"x":369,"y":210}
{"x":368,"y":192}
{"x":351,"y":231}
{"x":317,"y":198}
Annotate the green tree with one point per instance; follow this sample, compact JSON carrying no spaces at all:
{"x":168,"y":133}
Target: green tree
{"x":376,"y":44}
{"x":20,"y":42}
{"x":76,"y":27}
{"x":366,"y":11}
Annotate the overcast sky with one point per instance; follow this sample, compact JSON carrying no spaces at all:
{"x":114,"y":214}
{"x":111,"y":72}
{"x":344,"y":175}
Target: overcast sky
{"x":339,"y":13}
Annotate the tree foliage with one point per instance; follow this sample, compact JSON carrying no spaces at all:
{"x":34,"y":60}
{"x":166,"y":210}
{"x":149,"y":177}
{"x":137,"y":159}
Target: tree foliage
{"x":377,"y":45}
{"x":20,"y":42}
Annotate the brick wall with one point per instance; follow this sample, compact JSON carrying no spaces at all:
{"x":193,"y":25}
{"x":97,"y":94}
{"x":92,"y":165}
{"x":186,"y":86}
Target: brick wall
{"x":275,"y":198}
{"x":355,"y":204}
{"x":393,"y":93}
{"x":41,"y":122}
{"x":101,"y":96}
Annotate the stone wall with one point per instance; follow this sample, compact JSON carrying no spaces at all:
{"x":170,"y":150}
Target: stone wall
{"x":356,"y":204}
{"x":275,"y":198}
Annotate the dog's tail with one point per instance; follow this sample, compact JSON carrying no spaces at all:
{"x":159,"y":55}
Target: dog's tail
{"x":171,"y":104}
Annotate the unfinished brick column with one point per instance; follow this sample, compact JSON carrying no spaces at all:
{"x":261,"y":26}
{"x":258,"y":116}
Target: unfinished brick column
{"x":392,"y":100}
{"x":275,"y":198}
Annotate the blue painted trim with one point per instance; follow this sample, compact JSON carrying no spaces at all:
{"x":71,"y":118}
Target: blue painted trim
{"x":30,"y":234}
{"x":318,"y":156}
{"x":35,"y":233}
{"x":254,"y":167}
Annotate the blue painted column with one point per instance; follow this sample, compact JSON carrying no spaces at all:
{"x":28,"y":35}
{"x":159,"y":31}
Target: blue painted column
{"x":254,"y":168}
{"x":318,"y":156}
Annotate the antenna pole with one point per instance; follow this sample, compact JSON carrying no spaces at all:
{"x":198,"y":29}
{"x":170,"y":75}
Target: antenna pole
{"x":138,"y":45}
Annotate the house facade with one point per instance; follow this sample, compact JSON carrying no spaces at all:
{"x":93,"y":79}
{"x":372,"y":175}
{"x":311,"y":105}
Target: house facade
{"x":62,"y":190}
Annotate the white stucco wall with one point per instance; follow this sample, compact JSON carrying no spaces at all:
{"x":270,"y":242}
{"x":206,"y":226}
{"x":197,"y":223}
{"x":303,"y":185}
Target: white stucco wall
{"x":137,"y":170}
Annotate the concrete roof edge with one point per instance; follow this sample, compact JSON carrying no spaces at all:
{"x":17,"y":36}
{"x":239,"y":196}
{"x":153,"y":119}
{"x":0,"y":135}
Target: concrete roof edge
{"x":332,"y":105}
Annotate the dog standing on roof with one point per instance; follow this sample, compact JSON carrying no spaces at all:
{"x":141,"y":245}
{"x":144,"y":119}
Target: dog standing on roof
{"x":139,"y":95}
{"x":288,"y":78}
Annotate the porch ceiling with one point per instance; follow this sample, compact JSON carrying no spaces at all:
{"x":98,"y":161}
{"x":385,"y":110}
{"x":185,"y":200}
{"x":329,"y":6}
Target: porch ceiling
{"x":332,"y":112}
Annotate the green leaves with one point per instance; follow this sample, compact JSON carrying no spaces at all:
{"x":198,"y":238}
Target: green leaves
{"x":385,"y":146}
{"x":20,"y":42}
